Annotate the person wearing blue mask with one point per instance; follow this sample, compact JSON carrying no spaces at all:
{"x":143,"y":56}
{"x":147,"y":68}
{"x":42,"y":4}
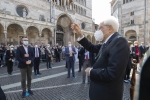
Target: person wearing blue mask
{"x":25,"y":56}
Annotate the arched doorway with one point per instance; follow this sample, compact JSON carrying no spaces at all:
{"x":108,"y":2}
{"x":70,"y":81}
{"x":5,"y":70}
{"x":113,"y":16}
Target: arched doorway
{"x":131,"y":35}
{"x":33,"y":35}
{"x":2,"y":38}
{"x":14,"y":33}
{"x":93,"y":39}
{"x":64,"y":32}
{"x":46,"y":37}
{"x":59,"y":35}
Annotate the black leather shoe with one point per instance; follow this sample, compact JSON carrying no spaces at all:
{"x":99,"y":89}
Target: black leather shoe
{"x":23,"y":94}
{"x":30,"y":92}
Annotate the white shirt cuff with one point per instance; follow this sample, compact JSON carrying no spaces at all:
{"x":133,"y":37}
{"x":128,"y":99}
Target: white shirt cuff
{"x":79,"y":39}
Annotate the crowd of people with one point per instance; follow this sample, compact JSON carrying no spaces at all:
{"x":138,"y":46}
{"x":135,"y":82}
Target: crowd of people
{"x":56,"y":51}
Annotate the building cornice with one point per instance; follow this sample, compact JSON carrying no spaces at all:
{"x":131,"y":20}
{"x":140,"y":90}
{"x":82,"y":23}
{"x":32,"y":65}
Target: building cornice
{"x":112,"y":2}
{"x":26,"y":20}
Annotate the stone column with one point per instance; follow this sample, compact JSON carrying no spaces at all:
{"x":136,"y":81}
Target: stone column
{"x":54,"y":34}
{"x":61,"y":2}
{"x":40,"y":38}
{"x":64,"y":2}
{"x":58,"y":2}
{"x":25,"y":34}
{"x":5,"y":37}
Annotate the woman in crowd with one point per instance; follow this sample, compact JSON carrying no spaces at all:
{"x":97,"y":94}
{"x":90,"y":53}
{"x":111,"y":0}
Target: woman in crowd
{"x":9,"y":60}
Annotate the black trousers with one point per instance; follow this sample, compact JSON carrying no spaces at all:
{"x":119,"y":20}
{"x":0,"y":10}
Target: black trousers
{"x":80,"y":64}
{"x":66,"y":65}
{"x":137,"y":58}
{"x":58,"y":58}
{"x":127,"y":74}
{"x":9,"y":67}
{"x":2,"y":95}
{"x":70,"y":65}
{"x":36,"y":65}
{"x":49,"y":62}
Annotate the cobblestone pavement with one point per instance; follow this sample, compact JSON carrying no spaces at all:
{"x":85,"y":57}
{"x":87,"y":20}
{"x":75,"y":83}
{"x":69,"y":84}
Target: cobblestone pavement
{"x":52,"y":84}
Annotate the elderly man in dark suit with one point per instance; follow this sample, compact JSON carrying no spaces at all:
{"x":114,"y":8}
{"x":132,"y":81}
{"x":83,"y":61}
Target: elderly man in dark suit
{"x":107,"y":74}
{"x":70,"y":59}
{"x":37,"y":55}
{"x":25,"y":56}
{"x":81,"y":52}
{"x":142,"y":49}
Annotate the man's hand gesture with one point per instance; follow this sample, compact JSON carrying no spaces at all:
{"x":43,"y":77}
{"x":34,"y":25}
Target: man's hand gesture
{"x":77,"y":28}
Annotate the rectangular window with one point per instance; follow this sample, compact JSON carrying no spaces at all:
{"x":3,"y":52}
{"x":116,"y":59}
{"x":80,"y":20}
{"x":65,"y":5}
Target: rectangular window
{"x":123,"y":1}
{"x":132,"y":22}
{"x":133,"y":13}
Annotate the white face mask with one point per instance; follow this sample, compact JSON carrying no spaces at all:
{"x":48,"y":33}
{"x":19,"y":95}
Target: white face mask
{"x":99,"y":36}
{"x":11,"y":48}
{"x":69,"y":45}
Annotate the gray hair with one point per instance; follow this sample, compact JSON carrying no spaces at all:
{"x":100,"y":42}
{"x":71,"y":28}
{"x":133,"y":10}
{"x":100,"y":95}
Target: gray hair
{"x":113,"y":22}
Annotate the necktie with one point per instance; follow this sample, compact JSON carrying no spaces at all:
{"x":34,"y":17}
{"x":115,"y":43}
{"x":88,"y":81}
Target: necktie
{"x":100,"y":51}
{"x":36,"y":52}
{"x":87,"y":58}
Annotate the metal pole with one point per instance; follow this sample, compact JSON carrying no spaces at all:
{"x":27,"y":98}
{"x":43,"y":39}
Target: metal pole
{"x":74,"y":39}
{"x":145,"y":22}
{"x":50,"y":10}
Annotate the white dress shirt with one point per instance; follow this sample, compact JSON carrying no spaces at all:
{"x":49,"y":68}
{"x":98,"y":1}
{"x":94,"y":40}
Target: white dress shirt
{"x":26,"y":49}
{"x":70,"y":49}
{"x":36,"y":52}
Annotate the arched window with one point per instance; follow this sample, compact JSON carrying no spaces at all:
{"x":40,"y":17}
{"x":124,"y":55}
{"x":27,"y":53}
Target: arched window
{"x":22,"y":11}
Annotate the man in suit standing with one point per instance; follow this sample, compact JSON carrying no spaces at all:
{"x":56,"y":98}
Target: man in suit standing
{"x":86,"y":64}
{"x":80,"y":57}
{"x":57,"y":53}
{"x":142,"y":49}
{"x":37,"y":55}
{"x":48,"y":56}
{"x":70,"y":59}
{"x":25,"y":56}
{"x":107,"y":74}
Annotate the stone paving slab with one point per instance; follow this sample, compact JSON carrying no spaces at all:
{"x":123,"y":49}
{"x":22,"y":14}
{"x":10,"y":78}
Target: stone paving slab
{"x":56,"y":88}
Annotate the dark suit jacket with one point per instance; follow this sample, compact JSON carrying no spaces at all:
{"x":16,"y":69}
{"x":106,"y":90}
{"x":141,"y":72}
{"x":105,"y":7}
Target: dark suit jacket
{"x":22,"y":60}
{"x":134,"y":52}
{"x":67,"y":53}
{"x":57,"y":51}
{"x":8,"y":55}
{"x":47,"y":53}
{"x":107,"y":75}
{"x":142,"y":50}
{"x":81,"y":52}
{"x":39,"y":52}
